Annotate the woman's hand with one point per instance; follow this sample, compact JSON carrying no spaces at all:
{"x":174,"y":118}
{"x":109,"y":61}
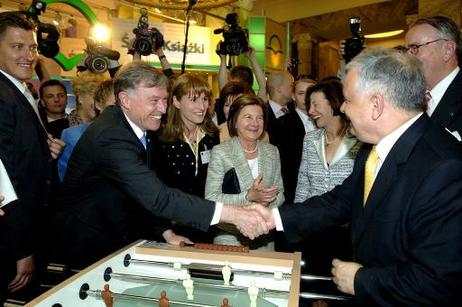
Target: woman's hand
{"x":259,"y":194}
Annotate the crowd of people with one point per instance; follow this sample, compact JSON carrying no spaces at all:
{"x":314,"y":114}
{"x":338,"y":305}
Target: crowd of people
{"x":367,"y":169}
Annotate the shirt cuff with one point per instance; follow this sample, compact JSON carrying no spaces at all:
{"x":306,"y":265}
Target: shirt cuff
{"x":277,"y":219}
{"x":217,"y":214}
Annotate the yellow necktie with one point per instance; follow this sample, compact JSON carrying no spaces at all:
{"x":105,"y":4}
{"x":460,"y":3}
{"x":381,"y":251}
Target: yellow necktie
{"x":369,"y":172}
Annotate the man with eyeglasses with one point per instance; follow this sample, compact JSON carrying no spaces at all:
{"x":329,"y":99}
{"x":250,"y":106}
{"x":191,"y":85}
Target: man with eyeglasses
{"x":436,"y":41}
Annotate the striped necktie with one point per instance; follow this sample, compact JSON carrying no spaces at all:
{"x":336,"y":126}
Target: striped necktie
{"x":369,"y":172}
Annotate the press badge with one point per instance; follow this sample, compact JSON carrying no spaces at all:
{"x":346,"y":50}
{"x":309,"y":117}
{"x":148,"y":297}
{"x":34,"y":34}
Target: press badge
{"x":205,"y":156}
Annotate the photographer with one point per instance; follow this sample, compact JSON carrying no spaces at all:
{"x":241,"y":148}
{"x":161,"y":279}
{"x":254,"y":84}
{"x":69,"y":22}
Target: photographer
{"x":242,"y":73}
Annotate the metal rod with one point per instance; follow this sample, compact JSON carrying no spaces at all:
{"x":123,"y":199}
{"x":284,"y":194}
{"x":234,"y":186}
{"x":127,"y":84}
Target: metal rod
{"x":132,"y":297}
{"x":262,"y":291}
{"x":315,"y":277}
{"x":316,"y":296}
{"x":216,"y":268}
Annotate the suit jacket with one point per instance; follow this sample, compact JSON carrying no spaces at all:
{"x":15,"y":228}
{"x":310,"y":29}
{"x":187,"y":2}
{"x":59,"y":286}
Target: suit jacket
{"x":109,"y":187}
{"x":408,"y":234}
{"x":448,"y":113}
{"x":273,"y":126}
{"x":316,"y":176}
{"x":175,"y":164}
{"x":290,"y":147}
{"x":25,"y":154}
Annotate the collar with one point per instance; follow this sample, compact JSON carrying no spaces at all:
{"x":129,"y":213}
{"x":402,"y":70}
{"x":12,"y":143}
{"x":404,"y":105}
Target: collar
{"x":20,"y":85}
{"x":386,"y":144}
{"x":276,"y":108}
{"x":438,"y":90}
{"x":138,"y":131}
{"x":306,"y":120}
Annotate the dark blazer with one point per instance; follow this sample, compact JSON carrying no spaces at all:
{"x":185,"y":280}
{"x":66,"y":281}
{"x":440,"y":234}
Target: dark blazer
{"x":175,"y":163}
{"x":448,"y":113}
{"x":25,"y":154}
{"x":408,"y":235}
{"x":290,"y":148}
{"x":106,"y":185}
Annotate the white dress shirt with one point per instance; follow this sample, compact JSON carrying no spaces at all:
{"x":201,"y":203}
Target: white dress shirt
{"x":383,"y":149}
{"x":306,"y":120}
{"x":438,"y":91}
{"x":277,"y":109}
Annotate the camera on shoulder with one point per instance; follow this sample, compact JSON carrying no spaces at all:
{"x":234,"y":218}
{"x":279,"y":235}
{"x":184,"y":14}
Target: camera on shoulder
{"x":355,"y":44}
{"x":147,"y":40}
{"x":98,"y":57}
{"x":236,"y":39}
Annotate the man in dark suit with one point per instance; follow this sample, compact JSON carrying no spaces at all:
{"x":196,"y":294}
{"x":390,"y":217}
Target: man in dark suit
{"x":436,"y":41}
{"x":108,"y":180}
{"x":23,"y":150}
{"x":403,"y":198}
{"x":279,"y":88}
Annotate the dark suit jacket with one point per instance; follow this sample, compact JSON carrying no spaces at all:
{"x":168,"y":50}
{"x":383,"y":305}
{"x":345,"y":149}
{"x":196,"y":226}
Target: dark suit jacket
{"x":449,"y":110}
{"x":106,"y":184}
{"x":175,"y":164}
{"x":408,"y":235}
{"x":25,"y":154}
{"x":290,"y":148}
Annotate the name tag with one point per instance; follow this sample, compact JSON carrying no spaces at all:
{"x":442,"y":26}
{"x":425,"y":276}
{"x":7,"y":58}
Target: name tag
{"x":205,"y":156}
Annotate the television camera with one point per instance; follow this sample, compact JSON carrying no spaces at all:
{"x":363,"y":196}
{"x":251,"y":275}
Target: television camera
{"x":236,"y":39}
{"x":147,"y":40}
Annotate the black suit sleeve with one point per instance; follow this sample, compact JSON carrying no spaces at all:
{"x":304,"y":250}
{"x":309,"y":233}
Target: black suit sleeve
{"x":119,"y":160}
{"x":431,"y":273}
{"x":18,"y":214}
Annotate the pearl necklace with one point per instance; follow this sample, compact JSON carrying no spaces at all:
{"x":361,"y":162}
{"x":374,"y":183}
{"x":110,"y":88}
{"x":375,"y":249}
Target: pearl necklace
{"x":250,"y":151}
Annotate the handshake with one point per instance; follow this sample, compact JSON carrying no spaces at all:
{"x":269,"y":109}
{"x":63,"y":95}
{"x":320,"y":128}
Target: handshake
{"x":252,"y":221}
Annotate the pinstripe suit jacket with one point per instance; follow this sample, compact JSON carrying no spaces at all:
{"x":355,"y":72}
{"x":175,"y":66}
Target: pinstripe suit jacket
{"x":316,"y":176}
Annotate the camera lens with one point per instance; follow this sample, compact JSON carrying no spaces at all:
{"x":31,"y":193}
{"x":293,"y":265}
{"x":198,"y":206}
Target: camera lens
{"x":143,"y":46}
{"x":97,"y":64}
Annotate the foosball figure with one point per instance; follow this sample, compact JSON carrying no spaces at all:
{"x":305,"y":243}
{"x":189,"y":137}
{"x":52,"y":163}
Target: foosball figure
{"x":226,"y":271}
{"x":253,"y":294}
{"x":106,"y":295}
{"x":225,"y":303}
{"x":163,"y":301}
{"x":188,"y":284}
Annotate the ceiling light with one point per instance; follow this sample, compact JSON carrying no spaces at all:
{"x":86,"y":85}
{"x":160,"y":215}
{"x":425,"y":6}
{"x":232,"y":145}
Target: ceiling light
{"x":100,"y":33}
{"x":157,"y":10}
{"x":384,"y":34}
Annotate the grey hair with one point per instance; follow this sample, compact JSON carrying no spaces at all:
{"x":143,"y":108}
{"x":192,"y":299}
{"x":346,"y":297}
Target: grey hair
{"x":133,"y":75}
{"x":398,"y":76}
{"x":275,"y":80}
{"x":446,"y":27}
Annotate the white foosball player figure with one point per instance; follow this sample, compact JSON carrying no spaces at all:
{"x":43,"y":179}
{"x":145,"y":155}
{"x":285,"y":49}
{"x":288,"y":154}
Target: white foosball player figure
{"x":226,"y":271}
{"x":188,"y":284}
{"x":253,"y":294}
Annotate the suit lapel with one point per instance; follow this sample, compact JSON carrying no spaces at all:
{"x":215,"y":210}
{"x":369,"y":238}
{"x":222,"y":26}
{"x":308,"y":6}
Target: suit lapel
{"x":450,"y":105}
{"x":319,"y":144}
{"x":242,"y":167}
{"x":386,"y":178}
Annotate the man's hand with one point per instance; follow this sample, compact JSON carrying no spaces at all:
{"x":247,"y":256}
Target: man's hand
{"x":344,"y":275}
{"x":267,"y":215}
{"x":247,"y":220}
{"x":250,"y":53}
{"x":172,"y":238}
{"x":56,"y":147}
{"x":24,"y":271}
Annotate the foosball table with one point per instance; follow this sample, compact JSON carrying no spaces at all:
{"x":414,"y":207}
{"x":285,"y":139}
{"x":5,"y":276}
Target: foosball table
{"x":149,"y":273}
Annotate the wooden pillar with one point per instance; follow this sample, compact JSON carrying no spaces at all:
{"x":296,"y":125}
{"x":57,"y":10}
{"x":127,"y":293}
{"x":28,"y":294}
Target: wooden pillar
{"x":305,"y":48}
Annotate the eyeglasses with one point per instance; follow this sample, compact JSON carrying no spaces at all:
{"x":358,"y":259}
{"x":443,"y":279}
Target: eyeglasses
{"x":414,"y":48}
